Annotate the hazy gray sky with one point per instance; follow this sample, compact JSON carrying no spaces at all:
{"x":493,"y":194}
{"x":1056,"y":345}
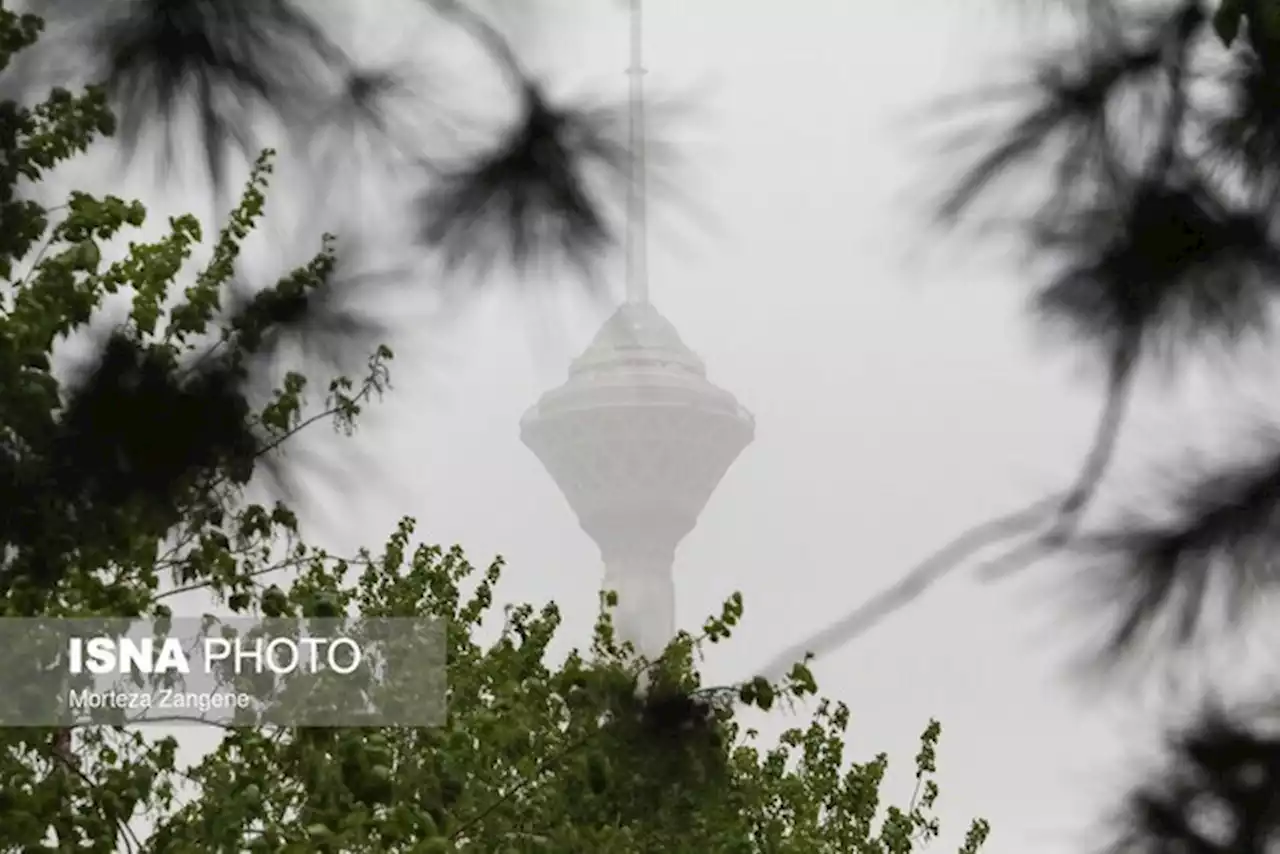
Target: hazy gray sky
{"x":897,"y":399}
{"x":898,"y":395}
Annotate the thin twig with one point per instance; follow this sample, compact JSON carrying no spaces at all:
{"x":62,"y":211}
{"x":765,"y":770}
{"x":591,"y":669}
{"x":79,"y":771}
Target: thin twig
{"x":1061,"y":511}
{"x":1101,"y":453}
{"x":1106,"y":435}
{"x":489,"y":38}
{"x":917,"y":582}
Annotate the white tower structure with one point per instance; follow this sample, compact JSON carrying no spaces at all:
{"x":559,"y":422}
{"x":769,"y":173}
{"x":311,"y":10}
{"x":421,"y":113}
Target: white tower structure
{"x":637,"y":439}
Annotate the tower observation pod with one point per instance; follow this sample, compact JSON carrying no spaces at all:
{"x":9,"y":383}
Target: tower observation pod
{"x":637,"y":440}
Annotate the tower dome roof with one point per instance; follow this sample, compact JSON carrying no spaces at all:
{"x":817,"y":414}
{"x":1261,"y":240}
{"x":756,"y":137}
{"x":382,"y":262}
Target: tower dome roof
{"x":638,"y":437}
{"x":637,"y":335}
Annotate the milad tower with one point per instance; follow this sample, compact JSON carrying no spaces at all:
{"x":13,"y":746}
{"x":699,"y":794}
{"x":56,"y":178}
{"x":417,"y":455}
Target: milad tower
{"x":637,"y":439}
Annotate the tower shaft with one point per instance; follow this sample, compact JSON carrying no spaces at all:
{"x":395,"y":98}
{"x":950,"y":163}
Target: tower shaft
{"x":644,"y":580}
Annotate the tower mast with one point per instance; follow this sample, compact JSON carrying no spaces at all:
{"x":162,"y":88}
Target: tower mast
{"x":637,"y":248}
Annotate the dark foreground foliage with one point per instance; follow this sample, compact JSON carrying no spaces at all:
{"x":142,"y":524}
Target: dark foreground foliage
{"x":215,"y":75}
{"x":1155,"y":133}
{"x":538,"y":192}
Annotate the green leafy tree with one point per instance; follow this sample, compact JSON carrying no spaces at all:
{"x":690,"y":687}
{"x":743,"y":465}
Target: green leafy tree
{"x":534,"y":758}
{"x":128,"y":485}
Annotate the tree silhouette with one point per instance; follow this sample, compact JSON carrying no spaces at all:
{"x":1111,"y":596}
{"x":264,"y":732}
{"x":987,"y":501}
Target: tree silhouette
{"x":233,"y":64}
{"x":1156,"y":133}
{"x":1160,"y":223}
{"x":226,"y":58}
{"x":224,"y":77}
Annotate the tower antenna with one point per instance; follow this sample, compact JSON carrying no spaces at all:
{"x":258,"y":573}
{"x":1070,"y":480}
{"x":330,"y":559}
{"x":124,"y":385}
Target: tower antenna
{"x":637,"y":273}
